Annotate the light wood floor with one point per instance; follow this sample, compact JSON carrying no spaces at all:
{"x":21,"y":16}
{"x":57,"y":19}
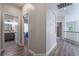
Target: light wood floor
{"x":65,"y":48}
{"x":12,"y":49}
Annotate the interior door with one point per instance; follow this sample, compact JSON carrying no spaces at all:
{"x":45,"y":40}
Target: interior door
{"x":59,"y":29}
{"x":26,"y":18}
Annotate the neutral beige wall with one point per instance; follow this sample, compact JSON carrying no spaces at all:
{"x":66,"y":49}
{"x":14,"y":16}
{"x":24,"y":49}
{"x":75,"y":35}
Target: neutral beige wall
{"x":0,"y":29}
{"x":37,"y":27}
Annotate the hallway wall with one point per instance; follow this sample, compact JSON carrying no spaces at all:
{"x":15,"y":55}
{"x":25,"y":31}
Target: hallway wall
{"x":51,"y":28}
{"x":42,"y":26}
{"x":37,"y":27}
{"x":72,"y":16}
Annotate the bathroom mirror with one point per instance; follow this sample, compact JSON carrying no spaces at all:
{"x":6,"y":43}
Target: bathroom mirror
{"x":10,"y":23}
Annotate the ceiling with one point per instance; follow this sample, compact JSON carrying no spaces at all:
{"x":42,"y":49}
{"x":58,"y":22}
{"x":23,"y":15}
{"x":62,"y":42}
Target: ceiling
{"x":19,"y":5}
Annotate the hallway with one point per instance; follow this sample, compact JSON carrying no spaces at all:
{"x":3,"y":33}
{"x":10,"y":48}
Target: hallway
{"x":12,"y":49}
{"x":65,"y":48}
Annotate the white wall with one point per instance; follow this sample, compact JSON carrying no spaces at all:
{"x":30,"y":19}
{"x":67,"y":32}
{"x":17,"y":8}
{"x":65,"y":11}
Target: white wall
{"x":54,"y":15}
{"x":72,"y":15}
{"x":69,"y":14}
{"x":51,"y":29}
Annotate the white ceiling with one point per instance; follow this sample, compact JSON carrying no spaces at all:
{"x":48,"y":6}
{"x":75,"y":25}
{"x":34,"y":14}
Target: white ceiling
{"x":19,"y":5}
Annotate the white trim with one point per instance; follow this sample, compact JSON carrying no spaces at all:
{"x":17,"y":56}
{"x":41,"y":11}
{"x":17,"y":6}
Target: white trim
{"x":31,"y":51}
{"x":23,"y":29}
{"x":41,"y":54}
{"x":3,"y":16}
{"x":50,"y":50}
{"x":21,"y":44}
{"x":0,"y":52}
{"x":35,"y":54}
{"x":2,"y":34}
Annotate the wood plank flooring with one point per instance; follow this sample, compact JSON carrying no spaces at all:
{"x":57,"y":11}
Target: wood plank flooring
{"x":65,"y":48}
{"x":12,"y":49}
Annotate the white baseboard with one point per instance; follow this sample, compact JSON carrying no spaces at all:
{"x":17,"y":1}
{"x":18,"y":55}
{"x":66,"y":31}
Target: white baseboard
{"x":41,"y":54}
{"x":2,"y":50}
{"x":51,"y":49}
{"x":35,"y":54}
{"x":32,"y":52}
{"x":20,"y":44}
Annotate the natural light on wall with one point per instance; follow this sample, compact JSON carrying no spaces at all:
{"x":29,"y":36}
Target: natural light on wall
{"x":28,"y":8}
{"x":25,"y":27}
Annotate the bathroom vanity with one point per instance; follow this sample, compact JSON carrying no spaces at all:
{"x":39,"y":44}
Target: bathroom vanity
{"x":9,"y":36}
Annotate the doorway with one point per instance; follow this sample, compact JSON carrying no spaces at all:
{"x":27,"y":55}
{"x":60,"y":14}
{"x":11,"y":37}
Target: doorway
{"x":59,"y":30}
{"x":26,"y":24}
{"x":10,"y":32}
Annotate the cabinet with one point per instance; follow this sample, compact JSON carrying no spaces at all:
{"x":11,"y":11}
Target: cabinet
{"x":9,"y":36}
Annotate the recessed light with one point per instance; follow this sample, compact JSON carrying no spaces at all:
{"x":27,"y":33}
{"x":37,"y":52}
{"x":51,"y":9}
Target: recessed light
{"x":64,"y":8}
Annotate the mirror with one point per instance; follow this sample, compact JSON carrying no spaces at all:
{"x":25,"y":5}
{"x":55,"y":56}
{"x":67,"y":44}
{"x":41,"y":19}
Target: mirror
{"x":10,"y":23}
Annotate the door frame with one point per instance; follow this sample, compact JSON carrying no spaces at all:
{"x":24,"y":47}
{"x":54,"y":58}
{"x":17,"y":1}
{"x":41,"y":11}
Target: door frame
{"x":61,"y":28}
{"x":2,"y":26}
{"x":23,"y":30}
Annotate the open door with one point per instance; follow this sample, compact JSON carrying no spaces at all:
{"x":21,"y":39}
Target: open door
{"x":59,"y":30}
{"x":9,"y":30}
{"x":26,"y":26}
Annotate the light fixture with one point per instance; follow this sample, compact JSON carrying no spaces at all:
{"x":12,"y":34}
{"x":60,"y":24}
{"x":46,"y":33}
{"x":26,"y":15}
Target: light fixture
{"x":64,"y":8}
{"x":12,"y":23}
